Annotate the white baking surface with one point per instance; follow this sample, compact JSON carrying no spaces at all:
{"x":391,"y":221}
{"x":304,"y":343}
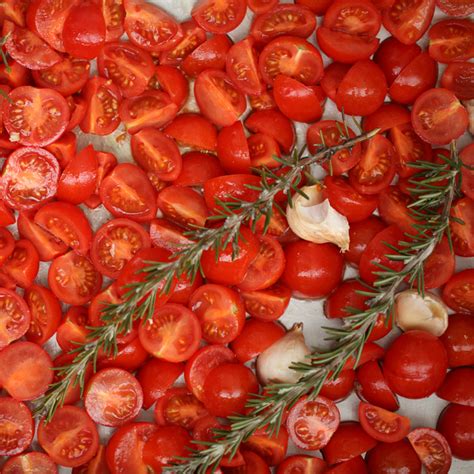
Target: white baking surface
{"x":423,"y":412}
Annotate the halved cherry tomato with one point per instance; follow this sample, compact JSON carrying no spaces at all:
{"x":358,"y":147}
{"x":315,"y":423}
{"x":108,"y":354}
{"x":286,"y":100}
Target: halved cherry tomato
{"x":233,"y":150}
{"x":311,"y":423}
{"x":173,"y":333}
{"x":28,"y":49}
{"x":297,"y":101}
{"x":113,"y":397}
{"x":346,"y":200}
{"x":302,"y":464}
{"x":84,"y":31}
{"x":194,"y":131}
{"x":127,"y":192}
{"x":458,"y":387}
{"x":271,"y":447}
{"x":459,"y":78}
{"x":432,"y":449}
{"x":15,"y":10}
{"x":332,"y":78}
{"x":17,"y":427}
{"x":77,"y":108}
{"x":149,"y":27}
{"x":66,"y":77}
{"x":129,"y":67}
{"x":15,"y":317}
{"x":268,"y":304}
{"x":79,"y":178}
{"x":217,"y":98}
{"x":73,"y":329}
{"x":130,"y":357}
{"x":220,"y":268}
{"x":376,"y":168}
{"x":263,"y":101}
{"x":64,"y":149}
{"x":45,"y":313}
{"x":36,"y":116}
{"x":114,"y":15}
{"x":349,"y":441}
{"x":25,"y":360}
{"x":383,"y":425}
{"x":209,"y":55}
{"x":220,"y":312}
{"x":255,"y":337}
{"x":183,"y":205}
{"x":266,"y":268}
{"x":439,"y":266}
{"x":408,"y":20}
{"x":227,"y":388}
{"x":6,"y":215}
{"x":312,"y":270}
{"x":30,"y":178}
{"x":458,"y":340}
{"x":218,"y":18}
{"x":264,"y":150}
{"x":172,"y":81}
{"x":15,"y":75}
{"x":392,"y":457}
{"x":67,"y":223}
{"x":451,"y":40}
{"x":458,"y":293}
{"x":242,"y":67}
{"x":103,"y":99}
{"x":106,"y":162}
{"x":70,"y":438}
{"x":73,"y":278}
{"x":456,"y":7}
{"x":293,"y":57}
{"x":197,"y":168}
{"x":339,"y":388}
{"x":150,"y":109}
{"x":456,"y":424}
{"x":7,"y":244}
{"x":349,"y":30}
{"x":394,"y":210}
{"x":372,"y":387}
{"x":167,"y":235}
{"x":467,"y":158}
{"x":39,"y":462}
{"x":385,"y":117}
{"x":275,"y":124}
{"x":23,"y":264}
{"x":179,"y":407}
{"x":462,"y":233}
{"x":281,"y":20}
{"x":362,"y":90}
{"x":438,"y":116}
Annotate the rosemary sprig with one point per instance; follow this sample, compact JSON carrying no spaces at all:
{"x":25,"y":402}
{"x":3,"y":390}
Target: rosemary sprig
{"x":139,"y":301}
{"x":431,"y":208}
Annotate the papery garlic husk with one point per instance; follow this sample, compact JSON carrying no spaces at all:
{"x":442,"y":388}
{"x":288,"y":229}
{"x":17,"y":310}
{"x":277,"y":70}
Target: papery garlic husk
{"x":413,"y":311}
{"x":315,"y":220}
{"x":469,"y":104}
{"x":273,"y":364}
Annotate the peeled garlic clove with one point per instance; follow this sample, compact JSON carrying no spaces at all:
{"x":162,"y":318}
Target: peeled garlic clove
{"x":273,"y":364}
{"x":412,"y":311}
{"x":315,"y":220}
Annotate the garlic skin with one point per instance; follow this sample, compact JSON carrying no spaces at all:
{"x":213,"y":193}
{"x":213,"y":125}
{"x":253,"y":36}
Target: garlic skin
{"x":469,"y":104}
{"x":412,"y":311}
{"x":315,"y":220}
{"x":273,"y":364}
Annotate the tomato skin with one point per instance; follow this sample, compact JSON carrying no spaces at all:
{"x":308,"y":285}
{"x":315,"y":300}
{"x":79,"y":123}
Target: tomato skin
{"x":217,"y":98}
{"x":394,"y":210}
{"x":307,"y":465}
{"x":459,"y":77}
{"x":296,"y":100}
{"x":130,"y":357}
{"x":439,"y":266}
{"x":21,"y":359}
{"x":457,"y":293}
{"x":363,"y":89}
{"x":439,"y":103}
{"x":413,"y":373}
{"x":227,"y":388}
{"x":292,"y":20}
{"x":50,"y":123}
{"x":387,"y":458}
{"x":172,"y":81}
{"x":361,"y":233}
{"x":456,"y":425}
{"x":233,"y":150}
{"x":321,"y":419}
{"x":124,"y":452}
{"x":462,"y":234}
{"x":312,"y":270}
{"x":272,"y":448}
{"x":39,"y":462}
{"x":220,"y":312}
{"x":339,"y":388}
{"x":458,"y":387}
{"x":201,"y":363}
{"x":354,"y":466}
{"x":197,"y":168}
{"x":73,"y":331}
{"x":17,"y":426}
{"x":23,"y":264}
{"x":432,"y":448}
{"x":458,"y":340}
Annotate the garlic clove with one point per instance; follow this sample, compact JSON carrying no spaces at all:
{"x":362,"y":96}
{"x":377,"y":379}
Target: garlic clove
{"x":315,"y":220}
{"x":469,"y":104}
{"x":273,"y":364}
{"x":413,"y":311}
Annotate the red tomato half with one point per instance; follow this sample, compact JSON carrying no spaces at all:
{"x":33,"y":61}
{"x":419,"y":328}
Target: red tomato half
{"x":70,"y":438}
{"x":311,"y":423}
{"x":216,"y":17}
{"x":459,"y":78}
{"x":303,"y":464}
{"x":438,"y":117}
{"x":218,"y":99}
{"x":197,"y":168}
{"x":233,"y":150}
{"x":172,"y":81}
{"x":17,"y":426}
{"x":23,"y":264}
{"x":15,"y":317}
{"x":458,"y":387}
{"x":272,"y":448}
{"x":386,"y":458}
{"x":452,"y":40}
{"x":268,"y":304}
{"x":393,"y":208}
{"x":37,"y":117}
{"x":462,"y":234}
{"x":38,"y":462}
{"x":173,"y":333}
{"x":458,"y":340}
{"x":458,"y":293}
